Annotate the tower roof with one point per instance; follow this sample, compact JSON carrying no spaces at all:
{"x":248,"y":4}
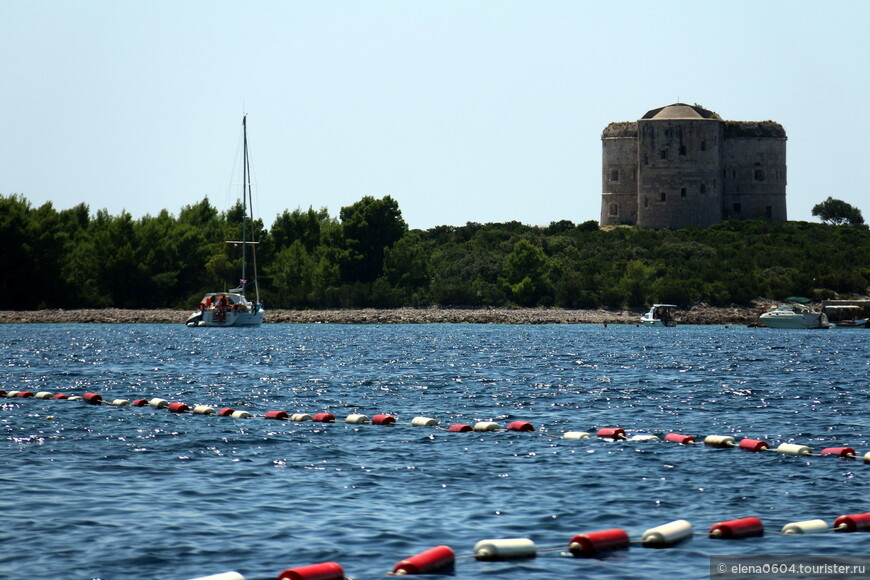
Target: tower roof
{"x":680,"y":111}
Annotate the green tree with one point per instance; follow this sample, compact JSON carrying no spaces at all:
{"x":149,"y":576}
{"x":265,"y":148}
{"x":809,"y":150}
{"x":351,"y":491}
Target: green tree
{"x":524,"y":273}
{"x":838,"y":212}
{"x":368,"y":227}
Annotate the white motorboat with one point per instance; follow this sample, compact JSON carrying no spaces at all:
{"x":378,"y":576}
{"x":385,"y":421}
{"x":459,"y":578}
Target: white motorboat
{"x":794,"y":315}
{"x":660,"y":315}
{"x":231,"y":307}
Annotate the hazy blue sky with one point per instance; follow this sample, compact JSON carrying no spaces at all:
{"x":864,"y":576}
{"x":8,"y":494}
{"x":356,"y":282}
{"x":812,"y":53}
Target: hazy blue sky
{"x":483,"y":111}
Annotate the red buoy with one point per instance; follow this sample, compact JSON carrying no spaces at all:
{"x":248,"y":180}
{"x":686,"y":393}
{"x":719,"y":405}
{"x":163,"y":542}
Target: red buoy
{"x":2,"y":392}
{"x":322,"y":571}
{"x":428,"y":562}
{"x":92,"y":398}
{"x":735,"y":529}
{"x":520,"y":426}
{"x":226,"y":412}
{"x":323,"y":418}
{"x":853,"y":523}
{"x":59,"y":396}
{"x":588,"y":545}
{"x":383,"y":419}
{"x":681,"y":439}
{"x":277,"y":415}
{"x":612,"y":433}
{"x":27,"y":394}
{"x":178,"y":408}
{"x":459,"y":428}
{"x":753,"y":445}
{"x":839,"y":451}
{"x":139,"y":403}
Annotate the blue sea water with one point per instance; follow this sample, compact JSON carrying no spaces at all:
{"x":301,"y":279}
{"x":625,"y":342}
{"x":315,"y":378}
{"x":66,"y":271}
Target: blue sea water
{"x":138,"y":493}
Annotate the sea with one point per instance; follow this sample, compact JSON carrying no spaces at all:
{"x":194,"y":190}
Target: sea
{"x":123,"y":492}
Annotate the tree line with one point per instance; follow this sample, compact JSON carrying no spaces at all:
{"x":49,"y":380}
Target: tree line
{"x":368,"y":257}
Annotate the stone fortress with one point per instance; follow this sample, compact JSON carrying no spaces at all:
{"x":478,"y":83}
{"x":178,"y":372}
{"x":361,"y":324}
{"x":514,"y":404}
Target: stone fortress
{"x":683,"y":166}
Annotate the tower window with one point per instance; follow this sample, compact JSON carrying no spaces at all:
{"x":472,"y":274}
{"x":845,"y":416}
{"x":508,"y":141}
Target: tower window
{"x":683,"y":192}
{"x":759,"y":175}
{"x":703,"y":188}
{"x":682,"y":149}
{"x":768,"y":211}
{"x":736,"y":208}
{"x":662,"y":196}
{"x":663,"y":154}
{"x":614,"y":175}
{"x":703,"y":145}
{"x":645,"y":201}
{"x":614,"y":209}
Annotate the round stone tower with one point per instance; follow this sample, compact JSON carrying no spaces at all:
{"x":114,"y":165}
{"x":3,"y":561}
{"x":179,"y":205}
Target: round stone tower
{"x":683,"y":166}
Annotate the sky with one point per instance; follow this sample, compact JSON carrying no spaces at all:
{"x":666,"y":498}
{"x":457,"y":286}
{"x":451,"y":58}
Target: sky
{"x":462,"y":111}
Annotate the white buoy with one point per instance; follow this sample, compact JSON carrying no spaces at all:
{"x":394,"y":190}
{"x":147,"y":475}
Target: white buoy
{"x":203,"y":410}
{"x":667,"y":534}
{"x":805,"y":527}
{"x":241,"y":415}
{"x":423,"y":422}
{"x":75,"y":398}
{"x":719,"y":440}
{"x":505,"y":549}
{"x":222,"y":576}
{"x":576,"y":435}
{"x":43,"y":395}
{"x":793,"y":449}
{"x":158,"y":403}
{"x":11,"y":394}
{"x":357,"y":419}
{"x":643,"y":438}
{"x":867,"y":457}
{"x":486,"y":426}
{"x":299,"y":417}
{"x":120,"y":403}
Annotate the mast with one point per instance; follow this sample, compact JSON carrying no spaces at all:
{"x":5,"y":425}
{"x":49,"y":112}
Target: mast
{"x":247,"y":202}
{"x":246,"y":187}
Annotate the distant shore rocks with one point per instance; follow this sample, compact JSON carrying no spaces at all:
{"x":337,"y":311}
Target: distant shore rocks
{"x":738,"y":315}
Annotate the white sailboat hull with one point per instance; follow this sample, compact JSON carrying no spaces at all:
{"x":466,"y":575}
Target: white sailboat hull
{"x":226,"y":309}
{"x":230,"y":319}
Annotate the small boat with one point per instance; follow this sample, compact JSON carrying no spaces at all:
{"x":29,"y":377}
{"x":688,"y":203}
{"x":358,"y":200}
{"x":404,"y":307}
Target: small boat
{"x":660,"y":315}
{"x":845,"y":316}
{"x":794,"y":315}
{"x":232,"y":307}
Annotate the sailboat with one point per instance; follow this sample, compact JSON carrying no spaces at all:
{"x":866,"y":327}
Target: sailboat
{"x":232,"y":307}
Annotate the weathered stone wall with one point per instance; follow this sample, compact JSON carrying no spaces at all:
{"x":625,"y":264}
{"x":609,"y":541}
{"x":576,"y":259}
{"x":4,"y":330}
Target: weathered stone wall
{"x":679,"y":167}
{"x":619,"y":174}
{"x":754,"y":178}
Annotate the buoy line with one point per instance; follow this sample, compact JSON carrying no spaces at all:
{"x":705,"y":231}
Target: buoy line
{"x":608,"y":433}
{"x":441,"y":559}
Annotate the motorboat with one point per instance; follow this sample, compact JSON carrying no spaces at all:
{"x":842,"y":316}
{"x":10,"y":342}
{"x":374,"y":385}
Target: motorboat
{"x":794,"y":315}
{"x":232,"y":307}
{"x":660,"y":315}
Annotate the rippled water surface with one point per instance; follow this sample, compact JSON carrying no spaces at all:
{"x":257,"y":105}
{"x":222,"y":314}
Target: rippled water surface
{"x":137,"y":493}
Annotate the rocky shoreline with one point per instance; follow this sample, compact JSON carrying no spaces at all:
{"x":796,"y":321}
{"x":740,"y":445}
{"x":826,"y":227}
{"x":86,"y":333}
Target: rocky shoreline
{"x":733,"y":315}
